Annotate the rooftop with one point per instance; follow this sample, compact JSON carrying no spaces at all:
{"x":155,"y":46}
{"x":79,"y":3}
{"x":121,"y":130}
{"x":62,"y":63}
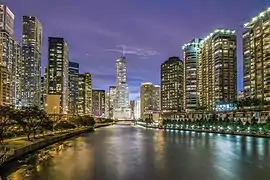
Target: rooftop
{"x":256,"y":18}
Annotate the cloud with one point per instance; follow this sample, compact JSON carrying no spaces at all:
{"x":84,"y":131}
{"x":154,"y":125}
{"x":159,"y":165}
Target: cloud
{"x":142,"y":52}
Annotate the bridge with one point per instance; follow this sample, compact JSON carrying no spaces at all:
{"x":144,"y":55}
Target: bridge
{"x":125,"y":122}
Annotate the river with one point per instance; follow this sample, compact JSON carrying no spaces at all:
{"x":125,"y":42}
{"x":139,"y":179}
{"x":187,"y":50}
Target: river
{"x":135,"y":153}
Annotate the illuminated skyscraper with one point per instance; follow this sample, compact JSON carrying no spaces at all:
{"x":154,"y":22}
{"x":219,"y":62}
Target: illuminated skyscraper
{"x":122,"y":109}
{"x":107,"y":105}
{"x":84,"y":102}
{"x":191,"y":56}
{"x":7,"y":19}
{"x":58,"y":59}
{"x":31,"y":64}
{"x":73,"y":87}
{"x":98,"y":103}
{"x":217,"y":69}
{"x":156,"y":98}
{"x":10,"y":70}
{"x":172,"y":86}
{"x":146,"y":98}
{"x":112,"y":100}
{"x":256,"y":53}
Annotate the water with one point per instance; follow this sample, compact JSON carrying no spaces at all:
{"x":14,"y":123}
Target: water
{"x":135,"y":153}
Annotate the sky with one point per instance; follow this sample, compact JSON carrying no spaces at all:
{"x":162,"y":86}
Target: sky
{"x":149,"y":30}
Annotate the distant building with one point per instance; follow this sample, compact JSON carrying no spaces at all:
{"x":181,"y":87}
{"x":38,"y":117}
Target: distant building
{"x":132,"y":108}
{"x":98,"y":100}
{"x":112,"y":100}
{"x":53,"y":104}
{"x":7,"y":19}
{"x":58,"y":59}
{"x":172,"y":86}
{"x":156,"y":98}
{"x":137,"y":109}
{"x":217,"y":67}
{"x":73,"y":85}
{"x":257,"y":57}
{"x":31,"y":61}
{"x":84,"y":102}
{"x":191,"y":59}
{"x":107,"y":105}
{"x":42,"y":93}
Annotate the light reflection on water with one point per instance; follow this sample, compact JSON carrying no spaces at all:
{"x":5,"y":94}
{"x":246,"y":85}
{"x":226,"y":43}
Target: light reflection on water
{"x":123,"y":152}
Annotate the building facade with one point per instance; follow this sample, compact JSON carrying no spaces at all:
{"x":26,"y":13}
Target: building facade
{"x":146,"y":98}
{"x":58,"y":59}
{"x":98,"y":100}
{"x":31,"y":64}
{"x":107,"y":105}
{"x":172,"y":86}
{"x":156,"y":98}
{"x":84,"y":102}
{"x":73,"y":84}
{"x":191,"y":58}
{"x":217,"y":68}
{"x":256,"y":54}
{"x":122,"y":109}
{"x":10,"y":70}
{"x":112,"y":100}
{"x":7,"y":19}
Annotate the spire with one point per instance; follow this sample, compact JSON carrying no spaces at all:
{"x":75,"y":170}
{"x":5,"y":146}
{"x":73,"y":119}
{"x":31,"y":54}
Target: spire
{"x":124,"y":53}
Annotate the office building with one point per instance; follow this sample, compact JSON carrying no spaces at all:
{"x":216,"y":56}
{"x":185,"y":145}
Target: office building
{"x":98,"y":103}
{"x":256,"y":54}
{"x":58,"y":59}
{"x":156,"y":98}
{"x":137,"y":109}
{"x":10,"y":70}
{"x":132,"y":109}
{"x":112,"y":100}
{"x":191,"y":56}
{"x":122,"y":109}
{"x":107,"y":105}
{"x":217,"y":69}
{"x":172,"y":86}
{"x":31,"y":61}
{"x":73,"y":85}
{"x":146,"y":98}
{"x":7,"y":19}
{"x":84,"y":103}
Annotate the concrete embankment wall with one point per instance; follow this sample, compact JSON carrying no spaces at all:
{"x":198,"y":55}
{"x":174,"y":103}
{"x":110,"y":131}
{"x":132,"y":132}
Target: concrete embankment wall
{"x":41,"y":144}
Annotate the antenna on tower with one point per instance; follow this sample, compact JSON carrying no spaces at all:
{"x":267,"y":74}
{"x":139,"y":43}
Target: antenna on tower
{"x":124,"y":52}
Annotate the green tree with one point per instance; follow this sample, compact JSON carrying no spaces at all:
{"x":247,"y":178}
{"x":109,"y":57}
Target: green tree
{"x":63,"y":125}
{"x":5,"y":121}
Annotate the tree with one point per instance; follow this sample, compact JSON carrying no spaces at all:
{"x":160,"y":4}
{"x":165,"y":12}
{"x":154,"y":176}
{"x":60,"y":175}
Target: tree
{"x":5,"y":121}
{"x":63,"y":124}
{"x":31,"y":120}
{"x":84,"y":121}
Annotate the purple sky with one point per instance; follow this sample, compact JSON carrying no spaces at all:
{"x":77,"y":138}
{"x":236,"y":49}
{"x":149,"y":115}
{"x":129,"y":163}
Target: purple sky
{"x":151,"y":31}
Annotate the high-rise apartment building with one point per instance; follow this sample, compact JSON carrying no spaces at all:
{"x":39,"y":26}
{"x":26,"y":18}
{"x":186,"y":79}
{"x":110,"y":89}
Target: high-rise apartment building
{"x":98,"y":103}
{"x":137,"y":108}
{"x":191,"y":56}
{"x":42,"y":92}
{"x":156,"y":98}
{"x":10,"y":70}
{"x":112,"y":100}
{"x":122,"y":109}
{"x":31,"y":61}
{"x":6,"y":19}
{"x":73,"y":87}
{"x":107,"y":105}
{"x":84,"y":103}
{"x":172,"y":86}
{"x":256,"y":54}
{"x":217,"y":69}
{"x":132,"y":109}
{"x":58,"y":59}
{"x":147,"y":99}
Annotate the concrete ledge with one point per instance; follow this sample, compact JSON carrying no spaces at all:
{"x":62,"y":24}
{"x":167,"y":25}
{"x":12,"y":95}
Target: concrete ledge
{"x":210,"y":131}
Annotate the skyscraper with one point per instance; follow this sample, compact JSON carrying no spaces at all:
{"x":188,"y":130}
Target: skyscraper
{"x":31,"y":71}
{"x":112,"y":100}
{"x":73,"y":87}
{"x":256,"y":54}
{"x":84,"y":102}
{"x":217,"y":69}
{"x":107,"y":105}
{"x":132,"y":109}
{"x":156,"y":98}
{"x":10,"y":70}
{"x":7,"y":19}
{"x":172,"y":86}
{"x":122,"y":109}
{"x":58,"y":59}
{"x":191,"y":56}
{"x":98,"y":103}
{"x":146,"y":98}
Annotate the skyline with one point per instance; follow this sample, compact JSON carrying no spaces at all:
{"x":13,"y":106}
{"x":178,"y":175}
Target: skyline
{"x":151,"y":32}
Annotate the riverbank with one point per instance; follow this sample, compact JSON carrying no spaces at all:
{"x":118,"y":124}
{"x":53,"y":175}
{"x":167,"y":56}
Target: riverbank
{"x":19,"y":148}
{"x":206,"y":131}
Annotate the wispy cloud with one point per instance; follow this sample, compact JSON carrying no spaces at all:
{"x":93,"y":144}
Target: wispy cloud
{"x":143,"y":52}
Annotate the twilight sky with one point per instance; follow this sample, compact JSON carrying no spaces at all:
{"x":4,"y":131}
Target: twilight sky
{"x":150,"y":31}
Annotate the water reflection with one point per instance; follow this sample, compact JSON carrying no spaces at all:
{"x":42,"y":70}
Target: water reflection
{"x":122,"y":152}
